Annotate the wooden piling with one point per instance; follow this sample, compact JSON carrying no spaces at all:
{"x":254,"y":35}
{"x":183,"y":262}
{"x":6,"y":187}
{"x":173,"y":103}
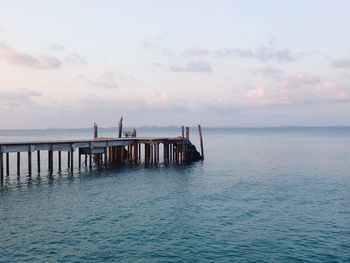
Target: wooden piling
{"x":120,"y":127}
{"x":1,"y":165}
{"x":71,"y":160}
{"x":18,"y":163}
{"x":95,"y":132}
{"x":7,"y":163}
{"x":38,"y":160}
{"x":30,"y":163}
{"x":187,"y":132}
{"x":68,"y":159}
{"x":201,"y":140}
{"x":59,"y":161}
{"x":90,"y":159}
{"x":50,"y":161}
{"x":79,"y":159}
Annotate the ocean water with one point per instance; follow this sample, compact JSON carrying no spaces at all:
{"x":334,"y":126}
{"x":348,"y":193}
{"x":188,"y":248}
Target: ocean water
{"x":261,"y":195}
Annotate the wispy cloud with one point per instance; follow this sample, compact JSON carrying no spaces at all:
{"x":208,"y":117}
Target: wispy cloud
{"x":75,"y":59}
{"x":107,"y":81}
{"x":269,"y":72}
{"x":57,"y":47}
{"x":198,"y":66}
{"x":265,"y":53}
{"x":14,"y":57}
{"x":332,"y":91}
{"x":298,"y":80}
{"x":17,"y":98}
{"x":341,"y":63}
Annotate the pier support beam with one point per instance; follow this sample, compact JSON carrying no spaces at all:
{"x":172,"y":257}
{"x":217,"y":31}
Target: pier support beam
{"x":68,"y":159}
{"x":7,"y":163}
{"x":59,"y":161}
{"x":50,"y":161}
{"x":71,"y":160}
{"x":38,"y":160}
{"x":201,"y":141}
{"x":90,"y":159}
{"x":1,"y":165}
{"x":18,"y":163}
{"x":30,"y":163}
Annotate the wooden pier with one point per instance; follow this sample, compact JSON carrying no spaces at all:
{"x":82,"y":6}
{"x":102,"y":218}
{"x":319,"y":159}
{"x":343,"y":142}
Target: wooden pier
{"x":101,"y":151}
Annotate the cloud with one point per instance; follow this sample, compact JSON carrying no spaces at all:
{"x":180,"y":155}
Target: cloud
{"x":331,"y":91}
{"x":13,"y":57}
{"x":164,"y":101}
{"x":262,"y":53}
{"x":198,"y":66}
{"x":107,"y":81}
{"x":75,"y":59}
{"x":341,"y":63}
{"x":269,"y":72}
{"x":196,"y":52}
{"x":258,"y":96}
{"x":57,"y":47}
{"x":10,"y":98}
{"x":150,"y":43}
{"x":2,"y":30}
{"x":298,"y":80}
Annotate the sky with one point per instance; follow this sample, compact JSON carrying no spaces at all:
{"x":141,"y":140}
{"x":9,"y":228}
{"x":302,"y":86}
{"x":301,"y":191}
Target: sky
{"x":68,"y":64}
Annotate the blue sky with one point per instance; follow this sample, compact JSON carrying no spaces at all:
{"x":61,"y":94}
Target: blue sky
{"x":219,"y":63}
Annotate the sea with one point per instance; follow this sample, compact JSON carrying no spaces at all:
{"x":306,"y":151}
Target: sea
{"x":260,"y":195}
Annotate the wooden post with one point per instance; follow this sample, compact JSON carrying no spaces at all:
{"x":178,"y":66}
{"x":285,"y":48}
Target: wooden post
{"x":146,"y":157}
{"x":187,"y":132}
{"x":105,"y":155}
{"x":1,"y":165}
{"x":71,"y":159}
{"x":120,"y":127}
{"x":183,"y":131}
{"x":201,"y":140}
{"x":95,"y":131}
{"x":86,"y":159}
{"x":157,"y":145}
{"x":139,"y":151}
{"x":30,"y":162}
{"x":151,"y":152}
{"x":68,"y":159}
{"x":38,"y":160}
{"x":18,"y":163}
{"x":50,"y":161}
{"x":90,"y":159}
{"x":59,"y":161}
{"x":7,"y":163}
{"x":121,"y":154}
{"x":79,"y":159}
{"x":165,"y":152}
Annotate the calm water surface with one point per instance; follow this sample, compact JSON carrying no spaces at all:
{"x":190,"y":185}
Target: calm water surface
{"x":260,"y":195}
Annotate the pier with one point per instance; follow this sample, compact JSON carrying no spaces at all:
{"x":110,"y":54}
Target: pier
{"x":100,"y":151}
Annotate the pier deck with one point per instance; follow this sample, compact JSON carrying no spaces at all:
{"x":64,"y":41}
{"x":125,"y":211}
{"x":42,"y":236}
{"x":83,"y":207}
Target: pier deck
{"x":101,"y":151}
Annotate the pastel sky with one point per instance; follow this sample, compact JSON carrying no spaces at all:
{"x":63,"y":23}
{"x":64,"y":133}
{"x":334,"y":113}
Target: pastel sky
{"x":218,"y":63}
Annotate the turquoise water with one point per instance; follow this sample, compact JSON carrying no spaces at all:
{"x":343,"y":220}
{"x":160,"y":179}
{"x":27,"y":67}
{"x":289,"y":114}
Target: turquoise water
{"x":260,"y":195}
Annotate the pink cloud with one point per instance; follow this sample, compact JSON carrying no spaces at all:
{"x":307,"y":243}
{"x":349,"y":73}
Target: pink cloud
{"x":13,"y":57}
{"x":298,"y":80}
{"x":196,"y":52}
